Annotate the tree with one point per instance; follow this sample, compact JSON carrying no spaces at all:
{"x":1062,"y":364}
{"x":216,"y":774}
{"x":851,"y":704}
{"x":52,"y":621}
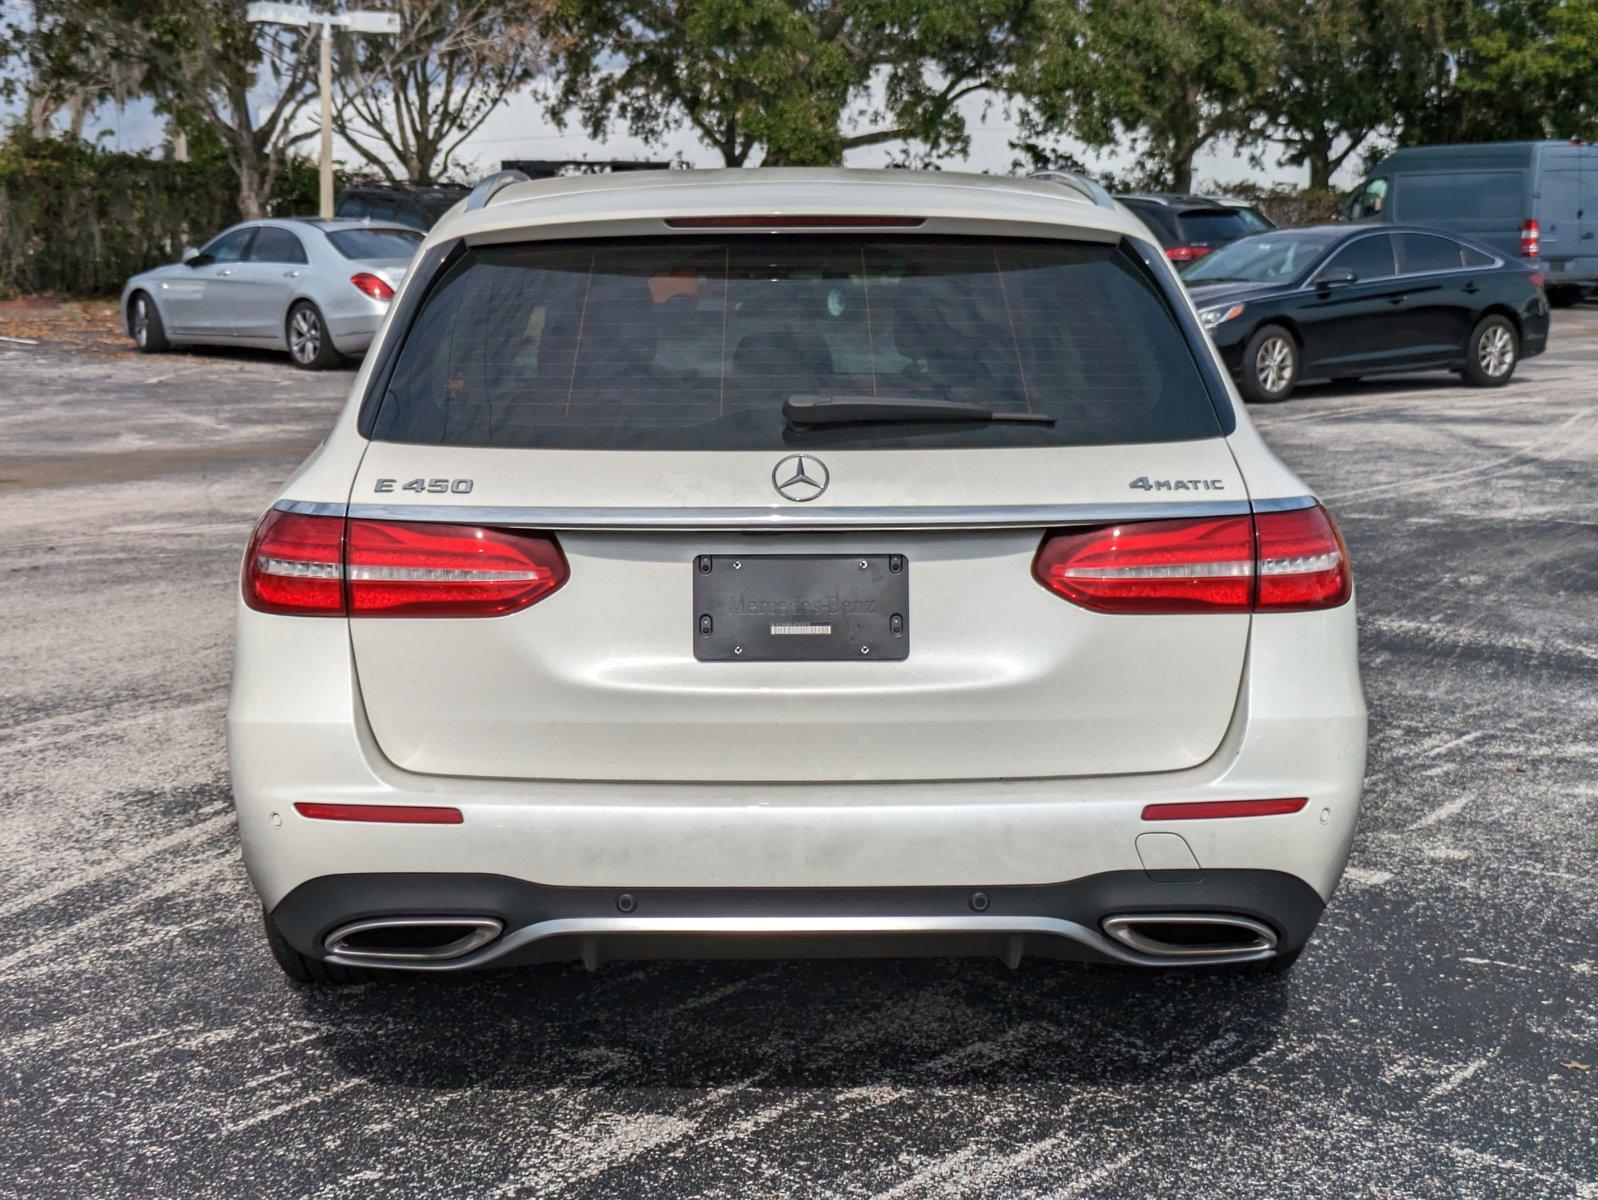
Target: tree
{"x":208,"y":65}
{"x":783,"y":76}
{"x":1340,"y":70}
{"x":59,"y":61}
{"x":1168,"y":77}
{"x":409,"y":102}
{"x":1507,"y":69}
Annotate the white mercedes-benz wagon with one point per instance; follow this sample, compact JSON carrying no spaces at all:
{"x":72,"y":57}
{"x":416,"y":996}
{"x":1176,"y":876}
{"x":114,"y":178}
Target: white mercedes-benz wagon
{"x":793,"y":562}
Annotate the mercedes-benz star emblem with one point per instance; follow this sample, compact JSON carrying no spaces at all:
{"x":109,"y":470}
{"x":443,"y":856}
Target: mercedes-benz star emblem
{"x":799,"y":477}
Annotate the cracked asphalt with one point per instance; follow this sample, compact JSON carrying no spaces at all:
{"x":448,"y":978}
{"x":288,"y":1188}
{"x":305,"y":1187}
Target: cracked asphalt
{"x":1439,"y":1038}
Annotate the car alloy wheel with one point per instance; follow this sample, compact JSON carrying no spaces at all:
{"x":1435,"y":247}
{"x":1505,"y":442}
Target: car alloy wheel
{"x":1496,"y":352}
{"x":305,"y":336}
{"x":1273,"y":365}
{"x":141,"y":322}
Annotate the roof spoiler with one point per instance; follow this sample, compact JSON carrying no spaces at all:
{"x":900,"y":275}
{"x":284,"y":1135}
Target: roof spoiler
{"x":1084,"y":185}
{"x":484,"y":193}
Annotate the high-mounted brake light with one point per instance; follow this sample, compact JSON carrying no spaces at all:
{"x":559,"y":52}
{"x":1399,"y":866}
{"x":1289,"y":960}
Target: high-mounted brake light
{"x":389,"y":814}
{"x":1530,"y":239}
{"x":327,"y":566}
{"x":374,"y":286}
{"x":795,"y":222}
{"x":1184,"y":254}
{"x":1271,"y":562}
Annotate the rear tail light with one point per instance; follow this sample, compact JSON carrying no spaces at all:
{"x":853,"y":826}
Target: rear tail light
{"x":404,"y":569}
{"x":295,"y":564}
{"x":1183,"y":254}
{"x":1303,"y":563}
{"x":327,"y":566}
{"x":374,"y":286}
{"x":1271,"y":562}
{"x":1530,"y":239}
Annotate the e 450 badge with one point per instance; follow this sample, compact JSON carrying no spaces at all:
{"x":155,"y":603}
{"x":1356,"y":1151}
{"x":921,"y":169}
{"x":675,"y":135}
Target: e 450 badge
{"x":437,"y":487}
{"x":1144,"y":484}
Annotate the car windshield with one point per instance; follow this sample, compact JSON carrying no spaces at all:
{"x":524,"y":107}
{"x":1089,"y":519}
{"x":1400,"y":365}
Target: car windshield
{"x":1264,"y":258}
{"x":375,"y":243}
{"x":696,"y":344}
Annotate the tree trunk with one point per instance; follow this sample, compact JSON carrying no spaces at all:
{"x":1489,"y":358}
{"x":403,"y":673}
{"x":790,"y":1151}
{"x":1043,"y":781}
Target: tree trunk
{"x":1320,"y":169}
{"x":251,"y":195}
{"x":1182,"y":172}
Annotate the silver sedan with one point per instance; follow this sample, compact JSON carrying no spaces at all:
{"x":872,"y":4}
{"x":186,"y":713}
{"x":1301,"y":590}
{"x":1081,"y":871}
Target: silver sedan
{"x":317,"y":289}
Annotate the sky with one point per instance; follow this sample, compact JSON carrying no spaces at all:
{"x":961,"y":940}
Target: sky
{"x":522,"y":129}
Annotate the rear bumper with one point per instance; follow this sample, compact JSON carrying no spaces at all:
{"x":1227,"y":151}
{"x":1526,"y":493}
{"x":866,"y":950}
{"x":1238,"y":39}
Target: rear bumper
{"x":297,"y":733}
{"x":544,"y":924}
{"x":354,"y":322}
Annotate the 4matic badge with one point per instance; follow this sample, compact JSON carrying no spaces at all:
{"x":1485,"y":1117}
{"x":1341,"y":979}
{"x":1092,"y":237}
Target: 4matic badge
{"x":1144,"y":484}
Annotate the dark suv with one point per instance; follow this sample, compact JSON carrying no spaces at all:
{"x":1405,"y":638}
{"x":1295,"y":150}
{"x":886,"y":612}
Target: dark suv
{"x":1189,"y":227}
{"x":418,"y":207}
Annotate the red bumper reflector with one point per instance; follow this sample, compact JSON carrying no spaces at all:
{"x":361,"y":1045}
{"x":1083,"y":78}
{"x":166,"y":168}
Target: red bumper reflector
{"x":1205,"y":810}
{"x":391,"y":814}
{"x":796,"y":222}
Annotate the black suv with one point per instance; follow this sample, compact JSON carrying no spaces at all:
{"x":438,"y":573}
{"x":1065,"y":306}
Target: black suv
{"x":418,"y":207}
{"x":1189,"y":226}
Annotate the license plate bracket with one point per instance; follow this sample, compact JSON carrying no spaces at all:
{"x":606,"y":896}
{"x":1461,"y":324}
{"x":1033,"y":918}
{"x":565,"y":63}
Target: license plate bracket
{"x":801,"y":608}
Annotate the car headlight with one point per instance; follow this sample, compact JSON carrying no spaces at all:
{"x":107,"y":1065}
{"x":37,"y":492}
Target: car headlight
{"x":1219,"y":315}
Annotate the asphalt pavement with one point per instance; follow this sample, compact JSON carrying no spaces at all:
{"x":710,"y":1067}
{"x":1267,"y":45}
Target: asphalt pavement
{"x":1439,"y":1038}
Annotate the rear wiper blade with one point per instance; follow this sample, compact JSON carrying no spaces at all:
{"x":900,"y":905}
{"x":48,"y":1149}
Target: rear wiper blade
{"x":853,"y":410}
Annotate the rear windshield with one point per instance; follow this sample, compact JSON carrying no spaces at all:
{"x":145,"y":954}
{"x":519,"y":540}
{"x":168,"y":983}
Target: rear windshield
{"x":1212,"y":226}
{"x":694,"y":344}
{"x":1462,"y":196}
{"x":375,"y":243}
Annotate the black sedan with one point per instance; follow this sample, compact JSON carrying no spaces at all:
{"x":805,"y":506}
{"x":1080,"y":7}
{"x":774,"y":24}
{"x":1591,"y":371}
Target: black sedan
{"x":1339,"y":302}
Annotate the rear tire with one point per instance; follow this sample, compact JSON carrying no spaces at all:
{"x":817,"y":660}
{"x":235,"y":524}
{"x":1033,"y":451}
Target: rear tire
{"x":1492,"y":352}
{"x":310,"y":345}
{"x":144,"y":325}
{"x":1270,"y":365}
{"x":304,"y":969}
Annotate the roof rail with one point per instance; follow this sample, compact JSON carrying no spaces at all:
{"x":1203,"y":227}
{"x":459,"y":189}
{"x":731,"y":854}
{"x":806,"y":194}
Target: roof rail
{"x":484,"y":193}
{"x":1085,"y":185}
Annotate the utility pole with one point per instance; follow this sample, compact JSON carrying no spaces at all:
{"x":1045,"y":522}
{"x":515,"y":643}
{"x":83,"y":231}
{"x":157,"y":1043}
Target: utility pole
{"x":325,"y":167}
{"x":302,"y":16}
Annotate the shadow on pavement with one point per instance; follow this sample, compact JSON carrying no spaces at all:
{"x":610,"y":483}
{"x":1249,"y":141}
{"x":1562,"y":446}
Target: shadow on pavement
{"x":827,"y":1024}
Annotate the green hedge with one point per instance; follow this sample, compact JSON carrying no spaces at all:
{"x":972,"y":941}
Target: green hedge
{"x":77,"y":219}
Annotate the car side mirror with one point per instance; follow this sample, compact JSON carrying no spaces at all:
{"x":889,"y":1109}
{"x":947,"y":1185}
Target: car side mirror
{"x":190,"y":254}
{"x":1336,"y":277}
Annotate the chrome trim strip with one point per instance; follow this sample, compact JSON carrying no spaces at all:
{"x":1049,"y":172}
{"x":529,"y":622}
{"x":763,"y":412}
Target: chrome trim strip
{"x":1123,"y":930}
{"x":310,"y":508}
{"x":1023,"y":516}
{"x":998,"y":517}
{"x":1285,"y":504}
{"x":599,"y":928}
{"x":483,"y":931}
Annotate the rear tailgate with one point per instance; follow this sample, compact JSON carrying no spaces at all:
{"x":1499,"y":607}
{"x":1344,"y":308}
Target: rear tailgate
{"x":607,"y":677}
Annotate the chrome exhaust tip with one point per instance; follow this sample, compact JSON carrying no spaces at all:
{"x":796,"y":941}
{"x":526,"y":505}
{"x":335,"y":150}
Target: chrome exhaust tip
{"x":411,"y":939}
{"x":1191,"y":935}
